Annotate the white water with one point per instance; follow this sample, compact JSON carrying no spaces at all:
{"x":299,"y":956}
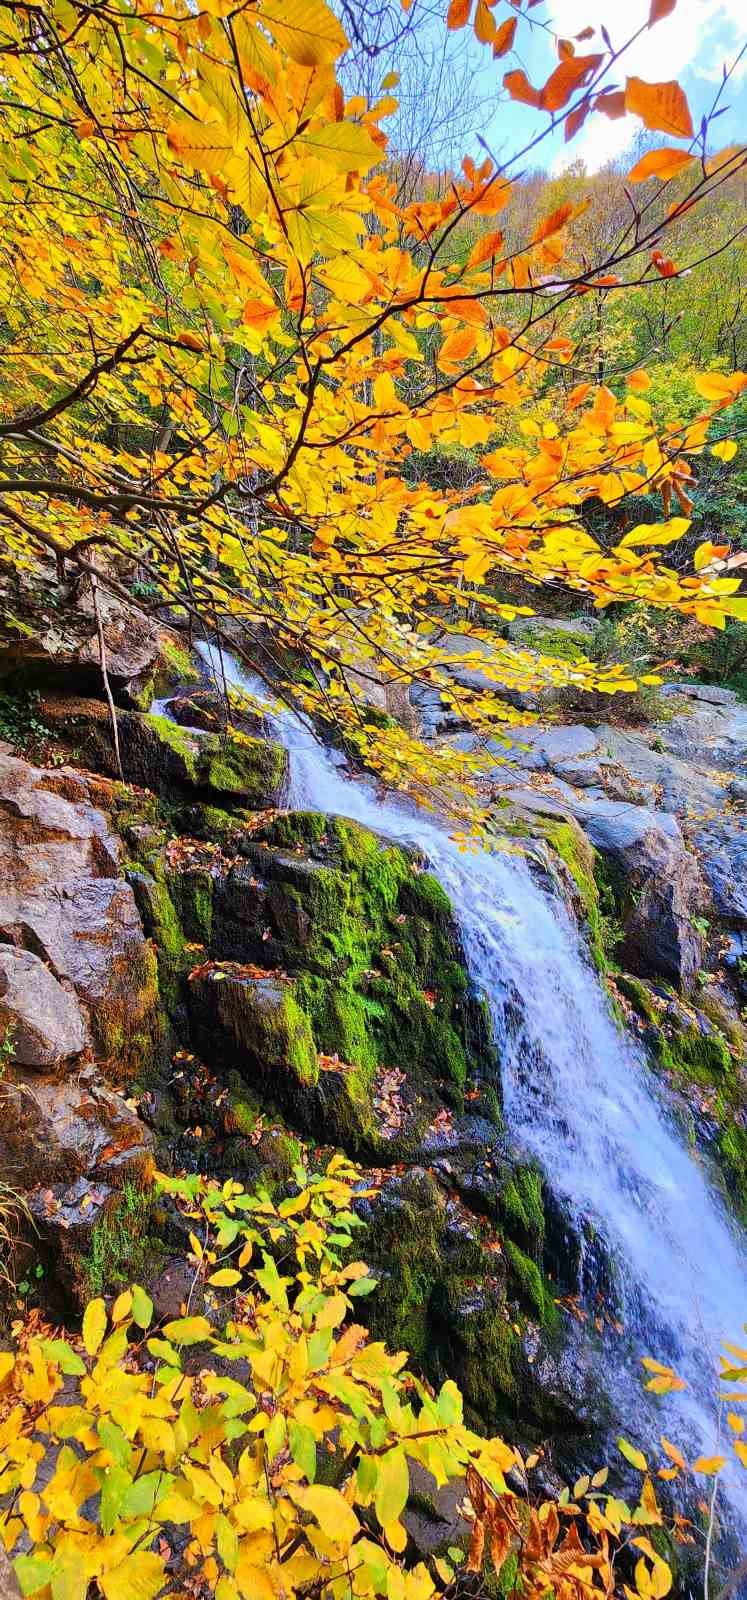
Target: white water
{"x":579,"y":1098}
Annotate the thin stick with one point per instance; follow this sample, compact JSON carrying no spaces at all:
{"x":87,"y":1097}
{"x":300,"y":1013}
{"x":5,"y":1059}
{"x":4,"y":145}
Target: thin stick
{"x":105,"y":676}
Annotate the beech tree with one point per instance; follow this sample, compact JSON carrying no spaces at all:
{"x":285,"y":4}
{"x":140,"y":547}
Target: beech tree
{"x":225,"y":338}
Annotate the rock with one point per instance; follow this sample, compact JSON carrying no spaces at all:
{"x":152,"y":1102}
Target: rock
{"x":45,"y":1021}
{"x":62,"y":649}
{"x":53,"y":1133}
{"x":723,"y":854}
{"x":264,"y":1033}
{"x":658,"y":887}
{"x":61,"y":899}
{"x":180,"y":762}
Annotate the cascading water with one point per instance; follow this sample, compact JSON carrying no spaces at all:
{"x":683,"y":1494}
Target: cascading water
{"x":579,"y":1098}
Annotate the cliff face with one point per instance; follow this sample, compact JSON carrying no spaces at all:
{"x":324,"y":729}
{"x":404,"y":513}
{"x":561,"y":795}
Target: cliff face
{"x":194,"y":977}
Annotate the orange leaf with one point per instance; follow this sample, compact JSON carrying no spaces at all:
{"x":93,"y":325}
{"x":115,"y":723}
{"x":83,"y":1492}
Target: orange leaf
{"x":663,"y":163}
{"x":457,"y":346}
{"x":572,"y":72}
{"x":659,"y":10}
{"x":259,"y":313}
{"x":484,"y":23}
{"x":612,"y":103}
{"x":556,"y":220}
{"x":520,"y":88}
{"x":458,"y":13}
{"x":576,"y":119}
{"x":659,"y":105}
{"x":504,"y":37}
{"x":488,"y":246}
{"x":638,"y":380}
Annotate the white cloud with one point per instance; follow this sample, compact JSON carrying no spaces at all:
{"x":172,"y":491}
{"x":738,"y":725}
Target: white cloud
{"x":698,"y":35}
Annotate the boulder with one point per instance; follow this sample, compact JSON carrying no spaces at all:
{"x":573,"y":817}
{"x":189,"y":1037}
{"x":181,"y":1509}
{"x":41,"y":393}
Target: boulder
{"x":658,"y":887}
{"x":55,"y":1132}
{"x":62,"y":900}
{"x":185,"y":763}
{"x":723,"y":854}
{"x":45,"y":1022}
{"x":61,"y":649}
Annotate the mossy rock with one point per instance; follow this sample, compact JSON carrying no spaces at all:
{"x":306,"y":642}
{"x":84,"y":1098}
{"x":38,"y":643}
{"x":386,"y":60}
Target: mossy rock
{"x":369,"y":937}
{"x":177,"y":763}
{"x":706,"y":1072}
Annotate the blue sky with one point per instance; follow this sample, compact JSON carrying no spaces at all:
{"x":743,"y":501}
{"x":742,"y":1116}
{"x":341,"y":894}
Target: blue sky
{"x":690,"y":45}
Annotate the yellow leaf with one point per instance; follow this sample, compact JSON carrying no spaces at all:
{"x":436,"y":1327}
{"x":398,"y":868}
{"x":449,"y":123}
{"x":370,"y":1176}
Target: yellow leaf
{"x":187,"y":1330}
{"x":713,"y":385}
{"x":655,"y":533}
{"x":139,"y":1577}
{"x":709,"y":1464}
{"x":635,"y":1457}
{"x":225,"y":1278}
{"x":94,"y":1326}
{"x":307,"y":29}
{"x":331,"y":1510}
{"x":725,"y":450}
{"x":7,"y":1363}
{"x":392,"y":1486}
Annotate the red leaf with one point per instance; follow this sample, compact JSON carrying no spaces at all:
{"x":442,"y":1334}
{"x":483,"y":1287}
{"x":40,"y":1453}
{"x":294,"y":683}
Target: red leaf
{"x":659,"y":10}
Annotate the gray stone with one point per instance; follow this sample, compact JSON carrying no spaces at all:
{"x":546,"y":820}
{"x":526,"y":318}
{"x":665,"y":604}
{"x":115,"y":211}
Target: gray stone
{"x":45,"y":1020}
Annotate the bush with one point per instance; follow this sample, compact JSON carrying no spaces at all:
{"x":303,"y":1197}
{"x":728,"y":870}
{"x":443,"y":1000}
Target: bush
{"x":262,"y":1448}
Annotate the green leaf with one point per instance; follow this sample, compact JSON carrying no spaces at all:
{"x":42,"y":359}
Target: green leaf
{"x":164,"y":1352}
{"x":449,"y":1403}
{"x":227,"y":1542}
{"x":115,"y":1441}
{"x":635,"y":1457}
{"x":362,"y":1286}
{"x":392,"y":1487}
{"x":114,"y":1485}
{"x":140,"y":1498}
{"x":33,"y":1572}
{"x":303,"y":1449}
{"x":319,"y":1347}
{"x":67,"y":1359}
{"x":366,"y":1475}
{"x":142,"y":1307}
{"x":275,"y":1435}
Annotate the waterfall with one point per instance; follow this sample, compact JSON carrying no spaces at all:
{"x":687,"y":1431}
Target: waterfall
{"x":579,"y":1098}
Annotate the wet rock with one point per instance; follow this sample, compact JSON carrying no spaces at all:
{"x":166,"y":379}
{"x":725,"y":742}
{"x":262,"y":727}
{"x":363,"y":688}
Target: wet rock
{"x":53,"y":1132}
{"x":723,"y":855}
{"x":44,"y":1021}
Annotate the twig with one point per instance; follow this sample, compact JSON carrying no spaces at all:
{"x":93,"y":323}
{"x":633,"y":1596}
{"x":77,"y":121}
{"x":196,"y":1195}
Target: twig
{"x":105,"y":676}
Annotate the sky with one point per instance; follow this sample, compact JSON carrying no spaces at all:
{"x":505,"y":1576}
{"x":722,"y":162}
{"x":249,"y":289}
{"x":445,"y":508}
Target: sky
{"x":691,"y":45}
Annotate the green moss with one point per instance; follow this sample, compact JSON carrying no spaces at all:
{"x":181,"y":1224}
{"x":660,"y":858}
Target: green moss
{"x":558,"y":642}
{"x":522,"y":1207}
{"x":177,"y":739}
{"x":530,"y":1285}
{"x":179,"y":662}
{"x":252,"y":768}
{"x":119,"y":1244}
{"x":127,"y":1020}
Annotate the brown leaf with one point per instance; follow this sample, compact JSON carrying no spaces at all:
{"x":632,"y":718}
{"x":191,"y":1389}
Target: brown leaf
{"x":659,"y":10}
